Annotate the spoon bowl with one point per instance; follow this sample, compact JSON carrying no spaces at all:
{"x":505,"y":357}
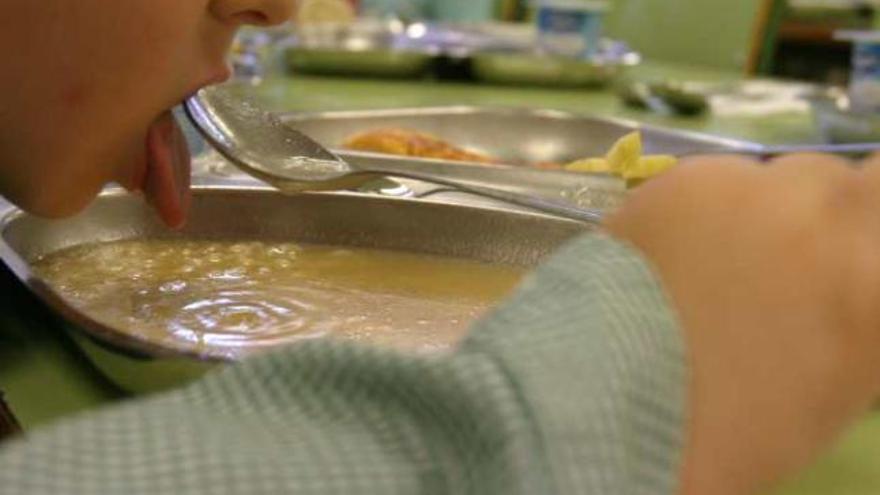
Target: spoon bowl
{"x":257,"y":142}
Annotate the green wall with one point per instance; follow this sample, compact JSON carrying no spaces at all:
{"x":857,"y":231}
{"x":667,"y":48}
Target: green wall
{"x":713,"y":33}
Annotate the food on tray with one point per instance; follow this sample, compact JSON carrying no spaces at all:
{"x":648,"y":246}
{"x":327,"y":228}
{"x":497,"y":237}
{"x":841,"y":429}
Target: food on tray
{"x":406,"y":142}
{"x":625,"y":153}
{"x":229,"y":298}
{"x":626,"y":161}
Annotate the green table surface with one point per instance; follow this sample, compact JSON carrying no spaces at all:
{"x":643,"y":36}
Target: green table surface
{"x":45,"y":378}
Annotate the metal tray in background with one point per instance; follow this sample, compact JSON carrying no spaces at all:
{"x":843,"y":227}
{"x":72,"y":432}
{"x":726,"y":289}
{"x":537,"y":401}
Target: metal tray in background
{"x":365,"y":49}
{"x":536,"y":70}
{"x":361,"y":63}
{"x":494,"y":53}
{"x":515,"y":136}
{"x":260,"y":213}
{"x":518,"y":137}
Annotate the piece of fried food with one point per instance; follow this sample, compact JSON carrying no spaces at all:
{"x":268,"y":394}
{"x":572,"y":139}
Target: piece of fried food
{"x":407,"y":142}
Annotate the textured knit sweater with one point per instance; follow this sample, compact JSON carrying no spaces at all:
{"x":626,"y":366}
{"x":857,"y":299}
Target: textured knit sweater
{"x":576,"y":384}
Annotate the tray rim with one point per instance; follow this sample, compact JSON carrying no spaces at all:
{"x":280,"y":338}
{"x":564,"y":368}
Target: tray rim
{"x":138,"y":348}
{"x":717,"y":143}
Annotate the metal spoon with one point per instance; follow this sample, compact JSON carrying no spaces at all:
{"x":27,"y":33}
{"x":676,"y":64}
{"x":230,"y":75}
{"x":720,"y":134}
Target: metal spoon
{"x":261,"y":145}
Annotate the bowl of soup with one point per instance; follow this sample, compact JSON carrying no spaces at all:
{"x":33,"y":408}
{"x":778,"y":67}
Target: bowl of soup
{"x":254,"y":270}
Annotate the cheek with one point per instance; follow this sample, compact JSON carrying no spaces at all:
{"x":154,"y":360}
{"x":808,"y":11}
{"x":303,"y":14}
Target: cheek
{"x":108,"y":69}
{"x":73,"y":96}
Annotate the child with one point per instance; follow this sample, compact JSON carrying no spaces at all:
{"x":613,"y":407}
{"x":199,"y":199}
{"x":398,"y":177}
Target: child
{"x":716,"y":338}
{"x":87,"y":90}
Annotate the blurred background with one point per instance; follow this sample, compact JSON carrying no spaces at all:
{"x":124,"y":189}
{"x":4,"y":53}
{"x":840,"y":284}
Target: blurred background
{"x":811,"y":67}
{"x":788,"y":38}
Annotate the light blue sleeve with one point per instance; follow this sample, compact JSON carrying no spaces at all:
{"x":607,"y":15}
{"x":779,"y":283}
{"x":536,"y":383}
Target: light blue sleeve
{"x":576,"y":385}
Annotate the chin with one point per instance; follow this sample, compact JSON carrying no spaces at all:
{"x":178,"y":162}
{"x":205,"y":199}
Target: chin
{"x":55,"y":205}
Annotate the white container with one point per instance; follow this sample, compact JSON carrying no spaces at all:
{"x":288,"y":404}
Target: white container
{"x":864,"y":87}
{"x":571,"y":28}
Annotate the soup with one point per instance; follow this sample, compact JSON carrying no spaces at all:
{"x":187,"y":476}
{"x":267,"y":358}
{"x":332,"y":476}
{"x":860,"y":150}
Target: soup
{"x":229,"y":298}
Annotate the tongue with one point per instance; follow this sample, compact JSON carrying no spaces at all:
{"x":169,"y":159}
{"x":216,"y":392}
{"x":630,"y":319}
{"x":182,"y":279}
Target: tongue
{"x":167,"y":180}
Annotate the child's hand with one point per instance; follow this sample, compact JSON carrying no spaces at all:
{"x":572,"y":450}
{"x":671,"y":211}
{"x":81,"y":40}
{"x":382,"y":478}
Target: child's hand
{"x":775,"y":273}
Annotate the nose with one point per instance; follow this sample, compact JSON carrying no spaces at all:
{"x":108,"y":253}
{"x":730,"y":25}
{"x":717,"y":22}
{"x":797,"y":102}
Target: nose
{"x":257,"y":12}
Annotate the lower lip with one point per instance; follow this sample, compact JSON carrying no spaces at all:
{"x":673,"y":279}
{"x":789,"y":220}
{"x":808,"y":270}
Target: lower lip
{"x":217,"y":78}
{"x":220,"y":76}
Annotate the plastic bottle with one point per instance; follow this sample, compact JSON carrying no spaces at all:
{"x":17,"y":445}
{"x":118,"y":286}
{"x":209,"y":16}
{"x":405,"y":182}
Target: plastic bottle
{"x":570,"y":28}
{"x":864,"y":86}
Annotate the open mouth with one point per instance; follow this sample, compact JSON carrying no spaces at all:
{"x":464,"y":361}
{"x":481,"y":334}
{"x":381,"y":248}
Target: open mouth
{"x":163,"y":174}
{"x":164,"y":177}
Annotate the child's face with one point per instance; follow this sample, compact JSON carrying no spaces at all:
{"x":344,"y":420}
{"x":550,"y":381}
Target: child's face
{"x":86,"y":89}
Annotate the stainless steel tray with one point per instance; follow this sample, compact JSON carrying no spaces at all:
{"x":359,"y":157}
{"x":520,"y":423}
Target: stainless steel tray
{"x":364,"y":63}
{"x":364,"y":48}
{"x":516,"y":136}
{"x":535,"y":70}
{"x":485,"y":234}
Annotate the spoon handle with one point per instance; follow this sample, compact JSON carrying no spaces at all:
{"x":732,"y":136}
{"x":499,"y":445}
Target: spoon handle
{"x":558,"y":208}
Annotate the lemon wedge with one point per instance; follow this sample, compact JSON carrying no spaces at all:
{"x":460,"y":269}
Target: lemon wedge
{"x":325,"y":12}
{"x":590,"y":165}
{"x":625,"y":153}
{"x":625,"y":160}
{"x":648,"y":166}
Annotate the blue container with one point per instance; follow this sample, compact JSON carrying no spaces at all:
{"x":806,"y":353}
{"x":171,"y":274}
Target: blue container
{"x":570,"y":28}
{"x":864,"y":87}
